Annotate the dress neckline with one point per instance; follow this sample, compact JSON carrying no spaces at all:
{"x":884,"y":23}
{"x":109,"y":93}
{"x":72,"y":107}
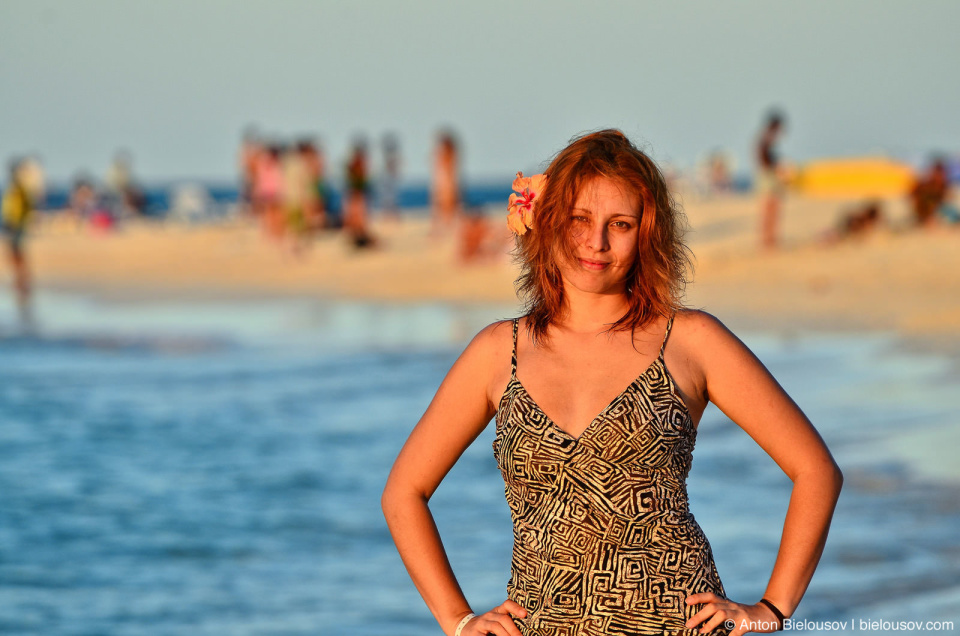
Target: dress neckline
{"x":598,"y":416}
{"x":591,"y":425}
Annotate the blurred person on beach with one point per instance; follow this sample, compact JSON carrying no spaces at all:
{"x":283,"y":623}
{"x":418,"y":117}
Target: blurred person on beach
{"x":298,"y":195}
{"x":445,"y":195}
{"x":390,"y":177}
{"x":771,"y":184}
{"x":930,"y":194}
{"x":596,"y":479}
{"x":479,"y":240}
{"x":711,"y":175}
{"x":317,"y":199}
{"x":857,"y":223}
{"x":720,"y":174}
{"x":250,"y":148}
{"x":190,"y":204}
{"x":20,"y":198}
{"x":125,"y":195}
{"x":84,"y":201}
{"x":267,"y":190}
{"x":357,"y":206}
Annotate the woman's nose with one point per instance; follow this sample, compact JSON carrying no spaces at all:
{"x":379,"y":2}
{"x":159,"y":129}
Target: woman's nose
{"x":597,"y":237}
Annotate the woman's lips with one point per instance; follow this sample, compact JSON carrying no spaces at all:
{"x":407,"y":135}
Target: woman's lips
{"x":593,"y":265}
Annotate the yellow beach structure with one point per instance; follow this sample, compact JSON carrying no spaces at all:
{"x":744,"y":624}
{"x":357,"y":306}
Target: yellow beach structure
{"x":855,"y":177}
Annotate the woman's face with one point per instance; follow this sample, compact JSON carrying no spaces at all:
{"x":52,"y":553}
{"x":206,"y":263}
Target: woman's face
{"x":605,"y":222}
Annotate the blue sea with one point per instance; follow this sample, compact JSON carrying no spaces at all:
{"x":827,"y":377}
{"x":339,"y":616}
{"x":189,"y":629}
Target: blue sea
{"x":159,"y":197}
{"x":215,"y":468}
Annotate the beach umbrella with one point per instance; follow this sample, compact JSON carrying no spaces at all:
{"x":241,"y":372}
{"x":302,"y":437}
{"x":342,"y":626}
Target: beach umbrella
{"x":855,"y":178}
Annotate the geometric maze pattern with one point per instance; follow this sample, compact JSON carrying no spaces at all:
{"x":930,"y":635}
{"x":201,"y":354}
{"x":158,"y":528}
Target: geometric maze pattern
{"x":603,"y":539}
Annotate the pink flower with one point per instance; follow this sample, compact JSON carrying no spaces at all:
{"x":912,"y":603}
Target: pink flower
{"x":520,"y":216}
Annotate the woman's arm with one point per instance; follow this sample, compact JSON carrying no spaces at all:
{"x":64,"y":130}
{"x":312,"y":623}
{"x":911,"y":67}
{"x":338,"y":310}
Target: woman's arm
{"x":458,"y":413}
{"x":738,"y":383}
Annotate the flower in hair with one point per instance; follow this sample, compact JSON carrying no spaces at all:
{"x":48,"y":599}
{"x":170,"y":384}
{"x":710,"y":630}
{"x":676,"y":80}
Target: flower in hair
{"x":528,"y":189}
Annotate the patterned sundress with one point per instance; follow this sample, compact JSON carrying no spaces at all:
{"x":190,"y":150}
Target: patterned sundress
{"x":603,"y":539}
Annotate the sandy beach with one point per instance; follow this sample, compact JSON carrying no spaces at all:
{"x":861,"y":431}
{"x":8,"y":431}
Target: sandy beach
{"x":896,"y":279}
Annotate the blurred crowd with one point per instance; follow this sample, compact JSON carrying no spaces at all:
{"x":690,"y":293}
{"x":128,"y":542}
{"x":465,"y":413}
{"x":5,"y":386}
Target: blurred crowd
{"x":286,"y":187}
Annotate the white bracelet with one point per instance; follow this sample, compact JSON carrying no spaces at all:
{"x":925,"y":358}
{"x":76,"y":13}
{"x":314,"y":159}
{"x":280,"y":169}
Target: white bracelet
{"x":463,"y":623}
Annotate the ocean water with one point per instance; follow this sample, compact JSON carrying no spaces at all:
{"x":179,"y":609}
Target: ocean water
{"x":411,"y":196}
{"x":216,"y":469}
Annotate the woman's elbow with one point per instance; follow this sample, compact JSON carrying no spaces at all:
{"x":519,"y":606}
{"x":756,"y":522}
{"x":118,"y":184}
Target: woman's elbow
{"x":837,"y":476}
{"x":385,"y":499}
{"x":389,"y":499}
{"x":826,"y":474}
{"x":831,"y":476}
{"x":396,"y":497}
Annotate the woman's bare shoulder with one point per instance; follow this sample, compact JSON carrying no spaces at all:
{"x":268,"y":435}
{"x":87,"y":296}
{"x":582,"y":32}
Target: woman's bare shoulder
{"x":492,"y":337}
{"x":488,"y":355}
{"x":711,"y":345}
{"x":694,"y":338}
{"x":703,"y":337}
{"x":491,"y":346}
{"x":698,"y":326}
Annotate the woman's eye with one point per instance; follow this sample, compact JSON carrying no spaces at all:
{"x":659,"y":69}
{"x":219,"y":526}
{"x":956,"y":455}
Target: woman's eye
{"x":623,"y":225}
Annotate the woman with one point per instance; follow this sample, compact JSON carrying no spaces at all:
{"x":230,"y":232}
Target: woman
{"x":603,"y":540}
{"x":770,"y":179}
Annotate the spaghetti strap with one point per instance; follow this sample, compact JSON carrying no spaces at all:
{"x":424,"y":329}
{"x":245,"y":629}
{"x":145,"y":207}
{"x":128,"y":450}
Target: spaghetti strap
{"x":666,"y":335}
{"x":513,"y":359}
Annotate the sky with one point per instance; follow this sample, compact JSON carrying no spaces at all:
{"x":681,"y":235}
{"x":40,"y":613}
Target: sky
{"x":176,"y":82}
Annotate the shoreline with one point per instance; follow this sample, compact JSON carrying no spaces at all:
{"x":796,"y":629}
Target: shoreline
{"x":900,"y":281}
{"x":783,"y":324}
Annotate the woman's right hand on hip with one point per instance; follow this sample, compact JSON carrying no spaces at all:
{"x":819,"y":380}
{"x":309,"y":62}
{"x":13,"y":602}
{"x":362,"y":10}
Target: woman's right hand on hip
{"x":497,"y":621}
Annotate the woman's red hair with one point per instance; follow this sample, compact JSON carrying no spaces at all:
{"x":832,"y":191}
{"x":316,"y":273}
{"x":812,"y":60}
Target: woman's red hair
{"x":655,"y":283}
